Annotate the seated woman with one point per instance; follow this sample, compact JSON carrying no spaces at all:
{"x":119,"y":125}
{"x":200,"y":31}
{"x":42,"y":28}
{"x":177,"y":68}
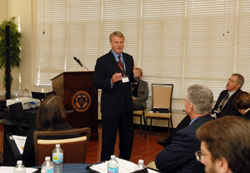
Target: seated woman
{"x":242,"y":103}
{"x":139,"y":92}
{"x":51,"y":116}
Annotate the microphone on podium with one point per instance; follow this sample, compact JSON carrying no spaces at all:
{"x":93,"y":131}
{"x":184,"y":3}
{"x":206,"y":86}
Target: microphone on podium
{"x":79,"y":62}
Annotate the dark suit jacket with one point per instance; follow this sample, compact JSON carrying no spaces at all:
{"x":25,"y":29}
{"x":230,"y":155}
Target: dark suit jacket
{"x":28,"y":156}
{"x":114,"y":99}
{"x":229,"y":108}
{"x":247,"y":115}
{"x":184,"y":123}
{"x":179,"y":155}
{"x":142,"y":93}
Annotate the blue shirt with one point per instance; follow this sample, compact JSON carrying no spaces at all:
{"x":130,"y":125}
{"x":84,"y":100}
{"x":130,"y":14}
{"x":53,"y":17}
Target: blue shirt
{"x":117,"y":59}
{"x":193,"y":120}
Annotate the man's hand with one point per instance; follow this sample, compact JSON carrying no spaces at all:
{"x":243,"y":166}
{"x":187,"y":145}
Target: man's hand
{"x":134,"y":98}
{"x":116,"y":77}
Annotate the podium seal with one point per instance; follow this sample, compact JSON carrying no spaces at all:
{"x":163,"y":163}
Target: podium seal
{"x":81,"y":101}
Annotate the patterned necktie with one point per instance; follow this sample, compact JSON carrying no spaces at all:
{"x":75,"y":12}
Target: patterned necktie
{"x":222,"y":103}
{"x":120,"y":62}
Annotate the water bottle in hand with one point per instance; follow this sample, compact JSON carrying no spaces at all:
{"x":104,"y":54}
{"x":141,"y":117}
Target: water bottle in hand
{"x":47,"y":166}
{"x":19,"y":167}
{"x":113,"y":165}
{"x":57,"y":156}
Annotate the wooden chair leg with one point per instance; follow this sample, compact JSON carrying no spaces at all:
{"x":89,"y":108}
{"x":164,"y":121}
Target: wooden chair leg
{"x":150,"y":124}
{"x":145,"y":124}
{"x":140,"y":122}
{"x":172,"y":126}
{"x":168,"y":126}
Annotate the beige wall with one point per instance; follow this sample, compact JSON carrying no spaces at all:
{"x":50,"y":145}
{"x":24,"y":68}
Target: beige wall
{"x":23,"y":11}
{"x":22,"y":78}
{"x":4,"y":9}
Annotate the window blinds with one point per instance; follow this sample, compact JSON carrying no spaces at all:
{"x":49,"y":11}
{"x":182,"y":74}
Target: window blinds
{"x":183,"y":42}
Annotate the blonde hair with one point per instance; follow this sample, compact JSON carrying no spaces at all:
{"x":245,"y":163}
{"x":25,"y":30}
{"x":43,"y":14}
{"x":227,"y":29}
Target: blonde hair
{"x":116,"y":33}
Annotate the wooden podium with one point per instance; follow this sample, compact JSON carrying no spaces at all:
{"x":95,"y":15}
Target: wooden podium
{"x":78,"y":94}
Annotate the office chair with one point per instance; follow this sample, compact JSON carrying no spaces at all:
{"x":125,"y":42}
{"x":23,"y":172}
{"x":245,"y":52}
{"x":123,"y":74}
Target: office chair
{"x":161,"y":104}
{"x":141,"y":114}
{"x":37,"y":95}
{"x":41,"y":96}
{"x":74,"y":144}
{"x":49,"y":94}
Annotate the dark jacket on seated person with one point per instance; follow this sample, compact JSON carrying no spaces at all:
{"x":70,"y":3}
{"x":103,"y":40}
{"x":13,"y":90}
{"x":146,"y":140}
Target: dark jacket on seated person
{"x":184,"y":123}
{"x":141,"y":93}
{"x":179,"y":155}
{"x":247,"y":115}
{"x":28,"y":156}
{"x":229,"y":108}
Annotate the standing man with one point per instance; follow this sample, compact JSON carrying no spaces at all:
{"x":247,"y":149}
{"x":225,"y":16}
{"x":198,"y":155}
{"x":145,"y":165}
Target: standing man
{"x":179,"y":154}
{"x":225,"y":103}
{"x":225,"y":145}
{"x":114,"y":72}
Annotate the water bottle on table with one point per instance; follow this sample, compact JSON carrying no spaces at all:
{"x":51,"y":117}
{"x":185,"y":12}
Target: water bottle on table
{"x":57,"y":156}
{"x":140,"y":165}
{"x":19,"y":167}
{"x":47,"y":166}
{"x":113,"y":165}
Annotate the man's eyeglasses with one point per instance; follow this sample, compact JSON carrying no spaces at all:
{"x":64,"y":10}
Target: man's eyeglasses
{"x":199,"y":155}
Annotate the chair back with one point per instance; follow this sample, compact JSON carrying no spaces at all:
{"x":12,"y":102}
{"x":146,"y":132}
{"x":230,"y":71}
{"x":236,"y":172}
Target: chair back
{"x":37,"y":95}
{"x":49,"y":94}
{"x":74,"y":144}
{"x":162,"y":97}
{"x":41,"y":96}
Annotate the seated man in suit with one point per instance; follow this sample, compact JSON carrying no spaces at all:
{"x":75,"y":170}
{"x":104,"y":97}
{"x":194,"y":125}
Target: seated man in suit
{"x":224,"y":104}
{"x":223,"y":149}
{"x":139,"y":92}
{"x":178,"y":155}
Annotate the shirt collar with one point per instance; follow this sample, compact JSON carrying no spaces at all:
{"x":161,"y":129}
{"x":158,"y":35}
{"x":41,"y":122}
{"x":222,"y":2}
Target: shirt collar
{"x":116,"y":55}
{"x":193,"y":120}
{"x":231,"y":93}
{"x":247,"y":110}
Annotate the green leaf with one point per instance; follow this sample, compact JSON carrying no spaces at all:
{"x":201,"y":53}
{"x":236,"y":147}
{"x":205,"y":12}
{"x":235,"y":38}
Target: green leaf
{"x":15,"y":42}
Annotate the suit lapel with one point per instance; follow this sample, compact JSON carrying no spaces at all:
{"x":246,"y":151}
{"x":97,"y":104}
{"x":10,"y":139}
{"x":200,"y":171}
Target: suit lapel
{"x":126,"y":62}
{"x":230,"y":99}
{"x":113,"y":62}
{"x":140,"y":88}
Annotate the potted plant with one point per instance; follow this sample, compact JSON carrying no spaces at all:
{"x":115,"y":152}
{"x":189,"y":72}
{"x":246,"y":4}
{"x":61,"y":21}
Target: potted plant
{"x":15,"y":42}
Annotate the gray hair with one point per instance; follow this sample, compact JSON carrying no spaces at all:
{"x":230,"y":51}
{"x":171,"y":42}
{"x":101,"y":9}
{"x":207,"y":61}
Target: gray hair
{"x":201,"y":97}
{"x":240,"y":79}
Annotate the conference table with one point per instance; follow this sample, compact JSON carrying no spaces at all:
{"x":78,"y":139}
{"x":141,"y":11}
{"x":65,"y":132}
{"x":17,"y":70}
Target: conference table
{"x":73,"y":168}
{"x":83,"y":168}
{"x":67,"y":168}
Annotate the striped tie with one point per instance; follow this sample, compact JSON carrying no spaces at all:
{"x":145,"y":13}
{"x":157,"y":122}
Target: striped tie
{"x":120,"y":62}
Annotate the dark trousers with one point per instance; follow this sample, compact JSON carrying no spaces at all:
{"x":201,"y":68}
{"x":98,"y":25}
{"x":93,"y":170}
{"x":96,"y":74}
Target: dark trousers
{"x":110,"y":124}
